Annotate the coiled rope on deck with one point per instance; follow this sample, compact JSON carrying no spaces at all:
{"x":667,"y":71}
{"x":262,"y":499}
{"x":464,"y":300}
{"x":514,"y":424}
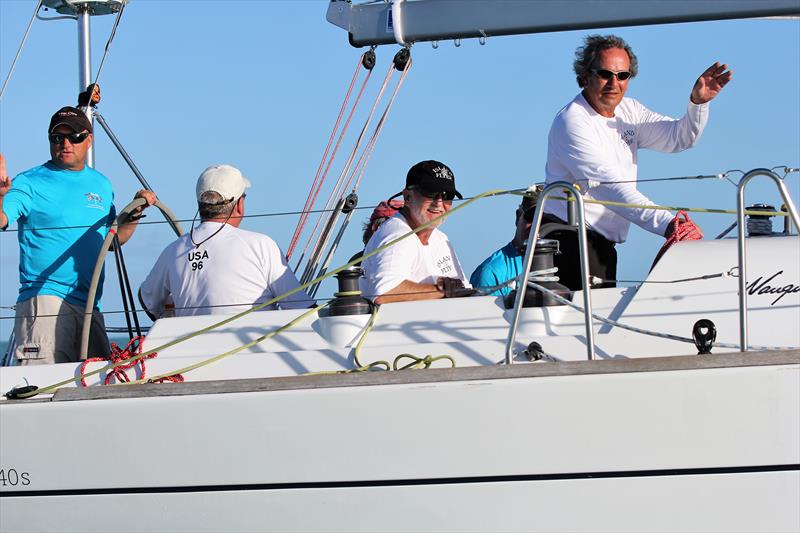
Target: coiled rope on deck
{"x":123,"y":357}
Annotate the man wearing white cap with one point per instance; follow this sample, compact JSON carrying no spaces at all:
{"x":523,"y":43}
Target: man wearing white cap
{"x":218,"y":268}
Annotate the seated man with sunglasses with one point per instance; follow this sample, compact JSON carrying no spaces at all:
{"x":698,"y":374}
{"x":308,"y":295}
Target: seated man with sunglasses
{"x":423,"y":266}
{"x":62,"y":209}
{"x":593,"y":143}
{"x":219,"y":268}
{"x":506,"y":263}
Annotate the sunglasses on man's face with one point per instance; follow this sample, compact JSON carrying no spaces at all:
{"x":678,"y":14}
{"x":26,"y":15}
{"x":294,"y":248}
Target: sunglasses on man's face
{"x":604,"y":74}
{"x":73,"y":138}
{"x":445,"y":196}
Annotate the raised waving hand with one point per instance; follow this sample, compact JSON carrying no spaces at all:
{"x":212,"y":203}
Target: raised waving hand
{"x":710,"y":83}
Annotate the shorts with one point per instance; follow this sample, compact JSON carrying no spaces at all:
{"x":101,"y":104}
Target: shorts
{"x":48,"y":330}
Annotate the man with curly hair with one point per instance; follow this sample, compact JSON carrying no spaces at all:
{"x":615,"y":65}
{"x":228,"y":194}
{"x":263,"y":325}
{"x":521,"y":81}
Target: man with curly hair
{"x":593,"y":143}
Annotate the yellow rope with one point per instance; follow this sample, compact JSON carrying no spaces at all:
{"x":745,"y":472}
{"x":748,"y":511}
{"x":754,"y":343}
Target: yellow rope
{"x":358,"y":366}
{"x":492,"y":192}
{"x":748,"y":212}
{"x":216,"y":358}
{"x":688,"y":209}
{"x":421,"y":362}
{"x":417,"y":362}
{"x":56,"y":386}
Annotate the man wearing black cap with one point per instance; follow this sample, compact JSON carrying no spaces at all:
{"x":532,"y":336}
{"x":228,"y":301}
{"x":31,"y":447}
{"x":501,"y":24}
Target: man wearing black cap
{"x":61,"y":208}
{"x":424,"y":266}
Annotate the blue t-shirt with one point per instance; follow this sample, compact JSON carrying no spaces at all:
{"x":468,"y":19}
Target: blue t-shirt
{"x":61,"y":216}
{"x":501,"y":266}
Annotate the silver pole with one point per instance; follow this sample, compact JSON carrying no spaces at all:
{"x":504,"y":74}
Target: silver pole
{"x":85,"y":63}
{"x":351,"y":201}
{"x":571,"y":216}
{"x":743,"y":344}
{"x":522,"y":284}
{"x":121,"y":149}
{"x":100,"y":120}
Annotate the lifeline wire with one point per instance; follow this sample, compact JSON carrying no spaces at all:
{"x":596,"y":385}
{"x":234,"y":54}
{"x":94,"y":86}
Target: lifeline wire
{"x":504,"y":192}
{"x":19,"y":50}
{"x":483,"y":290}
{"x":515,"y":192}
{"x":257,"y":215}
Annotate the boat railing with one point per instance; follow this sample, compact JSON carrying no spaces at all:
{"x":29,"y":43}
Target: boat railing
{"x":522,"y":285}
{"x":741,"y":228}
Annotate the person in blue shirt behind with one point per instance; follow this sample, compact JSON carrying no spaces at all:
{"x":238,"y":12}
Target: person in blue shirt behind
{"x":505,"y":264}
{"x":62,"y":209}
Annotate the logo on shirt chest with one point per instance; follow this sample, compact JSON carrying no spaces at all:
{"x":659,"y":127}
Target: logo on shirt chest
{"x":93,"y":200}
{"x":628,"y":136}
{"x":445,"y":264}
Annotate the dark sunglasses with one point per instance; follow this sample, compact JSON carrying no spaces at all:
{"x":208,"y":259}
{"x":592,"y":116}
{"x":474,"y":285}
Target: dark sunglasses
{"x":73,"y":138}
{"x":604,"y":74}
{"x":445,"y":196}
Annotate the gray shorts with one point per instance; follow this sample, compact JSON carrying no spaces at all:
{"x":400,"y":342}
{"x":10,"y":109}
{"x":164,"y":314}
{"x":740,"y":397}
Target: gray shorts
{"x":48,"y":330}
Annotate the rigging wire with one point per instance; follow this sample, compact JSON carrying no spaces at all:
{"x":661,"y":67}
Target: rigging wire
{"x":108,"y":43}
{"x":19,"y":50}
{"x":315,"y":187}
{"x":329,"y":204}
{"x":378,"y":129}
{"x":401,"y":61}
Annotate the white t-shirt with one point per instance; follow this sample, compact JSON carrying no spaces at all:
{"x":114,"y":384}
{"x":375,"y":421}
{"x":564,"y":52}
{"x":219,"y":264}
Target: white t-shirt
{"x":234,"y":269}
{"x":584,"y":145}
{"x":409,"y":259}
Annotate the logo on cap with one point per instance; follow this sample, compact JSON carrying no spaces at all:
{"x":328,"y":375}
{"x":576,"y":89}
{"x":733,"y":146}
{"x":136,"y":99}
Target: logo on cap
{"x":443,"y":173}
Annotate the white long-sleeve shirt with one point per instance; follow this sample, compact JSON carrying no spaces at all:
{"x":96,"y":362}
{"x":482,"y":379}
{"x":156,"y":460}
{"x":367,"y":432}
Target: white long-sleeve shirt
{"x":584,"y":145}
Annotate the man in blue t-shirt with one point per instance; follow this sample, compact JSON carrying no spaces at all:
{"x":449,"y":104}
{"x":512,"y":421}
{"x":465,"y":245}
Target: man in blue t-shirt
{"x":62,"y":209}
{"x":504,"y":265}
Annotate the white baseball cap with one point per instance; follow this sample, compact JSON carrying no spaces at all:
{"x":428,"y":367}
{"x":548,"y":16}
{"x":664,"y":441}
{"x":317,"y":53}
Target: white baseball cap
{"x":225,"y":180}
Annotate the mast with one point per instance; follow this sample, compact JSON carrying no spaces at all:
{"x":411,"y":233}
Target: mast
{"x":413,"y":21}
{"x":82,"y":11}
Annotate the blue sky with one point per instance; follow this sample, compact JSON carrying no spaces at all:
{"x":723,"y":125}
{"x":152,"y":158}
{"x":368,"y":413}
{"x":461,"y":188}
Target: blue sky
{"x":258,"y":84}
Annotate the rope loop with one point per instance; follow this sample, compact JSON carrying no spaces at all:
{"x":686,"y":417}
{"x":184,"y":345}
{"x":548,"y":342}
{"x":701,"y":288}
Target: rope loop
{"x":420,"y":362}
{"x":118,"y":357}
{"x":680,"y":229}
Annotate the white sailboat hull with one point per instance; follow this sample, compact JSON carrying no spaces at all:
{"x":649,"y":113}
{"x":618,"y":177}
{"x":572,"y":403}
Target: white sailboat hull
{"x":671,"y":443}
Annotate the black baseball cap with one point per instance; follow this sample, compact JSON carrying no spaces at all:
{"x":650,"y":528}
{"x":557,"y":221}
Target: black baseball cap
{"x":432,"y":176}
{"x":72,"y":117}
